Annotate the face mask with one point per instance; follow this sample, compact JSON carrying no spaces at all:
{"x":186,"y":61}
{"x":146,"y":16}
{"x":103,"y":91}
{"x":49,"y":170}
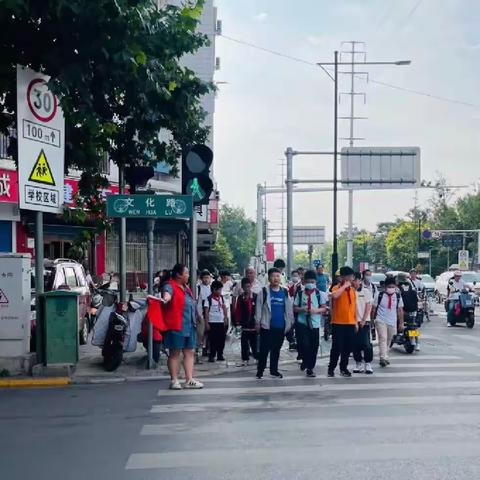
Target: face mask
{"x":368,"y":278}
{"x":391,"y":290}
{"x":295,"y":279}
{"x":310,"y":286}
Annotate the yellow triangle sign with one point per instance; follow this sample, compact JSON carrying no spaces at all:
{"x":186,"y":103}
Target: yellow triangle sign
{"x":41,"y":172}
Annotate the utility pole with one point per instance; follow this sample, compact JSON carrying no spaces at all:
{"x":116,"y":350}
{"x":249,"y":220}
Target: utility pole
{"x":323,"y":66}
{"x":351,"y":138}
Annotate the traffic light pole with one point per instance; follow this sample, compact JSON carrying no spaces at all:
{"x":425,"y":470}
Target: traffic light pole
{"x":193,"y":252}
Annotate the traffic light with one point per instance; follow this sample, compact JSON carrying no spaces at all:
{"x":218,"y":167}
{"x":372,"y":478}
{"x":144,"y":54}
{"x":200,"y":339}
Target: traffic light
{"x":196,"y":179}
{"x":138,"y":177}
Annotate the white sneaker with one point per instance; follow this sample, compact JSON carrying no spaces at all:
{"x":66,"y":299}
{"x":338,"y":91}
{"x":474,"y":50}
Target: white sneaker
{"x":368,"y":369}
{"x":449,"y":324}
{"x":193,"y":384}
{"x":175,"y":385}
{"x":359,"y":368}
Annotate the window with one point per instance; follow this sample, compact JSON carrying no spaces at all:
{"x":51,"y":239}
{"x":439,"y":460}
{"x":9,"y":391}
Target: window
{"x":60,"y":278}
{"x":81,"y":280}
{"x":105,"y":165}
{"x":71,"y":279}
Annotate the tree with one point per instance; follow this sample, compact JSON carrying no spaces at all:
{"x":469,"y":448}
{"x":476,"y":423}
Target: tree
{"x":115,"y":67}
{"x":239,"y":232}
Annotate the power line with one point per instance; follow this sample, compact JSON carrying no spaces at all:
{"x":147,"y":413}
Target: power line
{"x":377,"y":82}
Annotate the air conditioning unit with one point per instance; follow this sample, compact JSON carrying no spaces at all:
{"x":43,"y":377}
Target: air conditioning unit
{"x":218,"y":28}
{"x":217,"y":63}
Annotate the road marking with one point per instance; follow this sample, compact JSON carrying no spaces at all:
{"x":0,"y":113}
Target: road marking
{"x":280,"y":387}
{"x":317,"y":424}
{"x":303,"y":404}
{"x":227,"y":459}
{"x":411,"y":373}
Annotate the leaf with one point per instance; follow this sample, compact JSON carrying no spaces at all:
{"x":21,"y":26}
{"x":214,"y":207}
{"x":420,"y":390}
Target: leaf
{"x":172,"y":86}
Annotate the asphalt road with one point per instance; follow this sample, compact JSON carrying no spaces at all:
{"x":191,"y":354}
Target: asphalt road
{"x":418,"y":418}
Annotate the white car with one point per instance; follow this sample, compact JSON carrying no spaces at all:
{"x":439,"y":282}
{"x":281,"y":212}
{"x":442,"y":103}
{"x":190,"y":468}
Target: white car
{"x":441,"y":284}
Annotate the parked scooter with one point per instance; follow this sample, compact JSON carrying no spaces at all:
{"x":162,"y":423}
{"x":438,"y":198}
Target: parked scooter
{"x":410,"y":335}
{"x":463,"y":309}
{"x":95,"y":304}
{"x":112,"y":350}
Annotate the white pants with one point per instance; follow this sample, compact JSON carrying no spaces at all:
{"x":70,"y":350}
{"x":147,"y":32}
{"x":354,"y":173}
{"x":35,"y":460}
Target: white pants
{"x":385,"y":334}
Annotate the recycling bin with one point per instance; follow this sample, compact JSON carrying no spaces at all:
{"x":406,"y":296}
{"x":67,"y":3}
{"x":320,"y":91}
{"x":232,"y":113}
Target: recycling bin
{"x":60,"y":326}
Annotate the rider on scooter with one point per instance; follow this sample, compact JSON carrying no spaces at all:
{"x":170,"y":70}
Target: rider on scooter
{"x":455,"y":286}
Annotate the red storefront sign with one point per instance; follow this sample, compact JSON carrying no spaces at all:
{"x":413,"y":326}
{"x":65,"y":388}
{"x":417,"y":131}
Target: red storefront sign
{"x":70,"y":190}
{"x":8,"y":186}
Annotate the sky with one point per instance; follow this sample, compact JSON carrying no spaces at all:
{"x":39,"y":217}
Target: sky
{"x":271,"y":102}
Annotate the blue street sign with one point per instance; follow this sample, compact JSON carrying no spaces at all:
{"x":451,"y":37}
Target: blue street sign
{"x":427,"y":234}
{"x":317,"y":262}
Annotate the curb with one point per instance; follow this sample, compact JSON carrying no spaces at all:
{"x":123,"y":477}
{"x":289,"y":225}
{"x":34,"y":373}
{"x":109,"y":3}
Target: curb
{"x":34,"y":382}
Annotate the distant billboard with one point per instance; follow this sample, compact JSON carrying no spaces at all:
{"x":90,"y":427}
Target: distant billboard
{"x":308,"y":235}
{"x":366,"y":168}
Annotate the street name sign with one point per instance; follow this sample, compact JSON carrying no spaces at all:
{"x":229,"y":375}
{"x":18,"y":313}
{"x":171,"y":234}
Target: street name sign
{"x":41,"y":143}
{"x":149,"y":206}
{"x":423,"y":254}
{"x":366,"y":168}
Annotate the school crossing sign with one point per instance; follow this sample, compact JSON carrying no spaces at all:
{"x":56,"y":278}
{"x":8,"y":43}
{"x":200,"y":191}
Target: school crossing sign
{"x":41,"y":143}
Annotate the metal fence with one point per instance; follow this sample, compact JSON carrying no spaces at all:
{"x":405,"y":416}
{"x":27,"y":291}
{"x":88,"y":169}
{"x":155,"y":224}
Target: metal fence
{"x":164,"y":252}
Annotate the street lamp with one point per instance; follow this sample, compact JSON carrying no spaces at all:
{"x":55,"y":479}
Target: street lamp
{"x":336,"y":63}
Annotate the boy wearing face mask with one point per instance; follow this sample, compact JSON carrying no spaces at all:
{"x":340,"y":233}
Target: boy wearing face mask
{"x":309,"y":305}
{"x":388,"y":309}
{"x":362,"y":349}
{"x":344,"y":322}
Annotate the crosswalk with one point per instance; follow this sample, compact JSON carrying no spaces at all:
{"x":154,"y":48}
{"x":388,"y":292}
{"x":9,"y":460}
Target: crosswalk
{"x":423,"y":409}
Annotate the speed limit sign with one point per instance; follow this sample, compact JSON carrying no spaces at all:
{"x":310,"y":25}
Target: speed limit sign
{"x":41,"y":101}
{"x":41,"y":143}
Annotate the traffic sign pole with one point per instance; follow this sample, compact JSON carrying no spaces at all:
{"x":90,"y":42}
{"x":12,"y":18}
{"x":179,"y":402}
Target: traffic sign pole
{"x":39,"y":286}
{"x":150,"y":227}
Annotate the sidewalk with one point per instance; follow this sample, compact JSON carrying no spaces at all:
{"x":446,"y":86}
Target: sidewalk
{"x":89,"y":369}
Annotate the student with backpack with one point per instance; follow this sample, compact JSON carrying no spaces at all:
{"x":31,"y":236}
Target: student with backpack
{"x":216,"y":321}
{"x":362,"y":344}
{"x":203,"y":292}
{"x":309,"y":305}
{"x":388,"y":309}
{"x":274,"y":318}
{"x":245,"y":317}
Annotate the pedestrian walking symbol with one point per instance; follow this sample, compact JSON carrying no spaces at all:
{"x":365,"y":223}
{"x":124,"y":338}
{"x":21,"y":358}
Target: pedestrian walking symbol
{"x":41,"y":171}
{"x":3,"y":297}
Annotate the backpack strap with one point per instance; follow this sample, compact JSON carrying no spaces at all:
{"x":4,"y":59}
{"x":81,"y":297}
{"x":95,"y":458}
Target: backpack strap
{"x":381,"y":294}
{"x":264,"y":290}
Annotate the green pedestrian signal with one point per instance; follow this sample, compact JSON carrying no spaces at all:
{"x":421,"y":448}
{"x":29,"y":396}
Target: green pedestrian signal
{"x":196,"y":179}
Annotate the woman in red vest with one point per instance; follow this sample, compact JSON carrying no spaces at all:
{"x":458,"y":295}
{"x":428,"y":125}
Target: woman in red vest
{"x":180,"y":323}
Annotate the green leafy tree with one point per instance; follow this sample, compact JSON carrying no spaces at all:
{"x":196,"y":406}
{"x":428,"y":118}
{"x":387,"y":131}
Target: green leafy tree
{"x":224,"y":254}
{"x":115,"y":66}
{"x":239,"y":232}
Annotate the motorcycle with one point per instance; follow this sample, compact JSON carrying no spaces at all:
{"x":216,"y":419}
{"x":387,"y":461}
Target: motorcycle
{"x":463,"y":309}
{"x":115,"y":338}
{"x":410,"y":335}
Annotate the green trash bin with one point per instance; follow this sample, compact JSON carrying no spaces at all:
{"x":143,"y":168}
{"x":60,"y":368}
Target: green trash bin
{"x":60,"y":326}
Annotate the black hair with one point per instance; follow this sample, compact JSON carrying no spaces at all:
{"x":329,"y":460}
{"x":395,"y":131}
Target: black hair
{"x":272,"y":271}
{"x":310,"y":274}
{"x":279,"y":263}
{"x":390,"y":281}
{"x":358,"y":276}
{"x":224,"y":273}
{"x":344,"y":271}
{"x":178,"y":269}
{"x":365,"y":272}
{"x":204,"y":273}
{"x":245,"y":281}
{"x":320,"y":265}
{"x":294,"y":272}
{"x":216,"y":285}
{"x":300,"y":269}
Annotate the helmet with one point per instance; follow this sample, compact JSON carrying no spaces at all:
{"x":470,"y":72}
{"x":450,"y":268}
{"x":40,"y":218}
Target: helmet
{"x":457,"y":273}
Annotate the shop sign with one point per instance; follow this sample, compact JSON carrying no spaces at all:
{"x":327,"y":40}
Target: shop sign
{"x":8,"y":186}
